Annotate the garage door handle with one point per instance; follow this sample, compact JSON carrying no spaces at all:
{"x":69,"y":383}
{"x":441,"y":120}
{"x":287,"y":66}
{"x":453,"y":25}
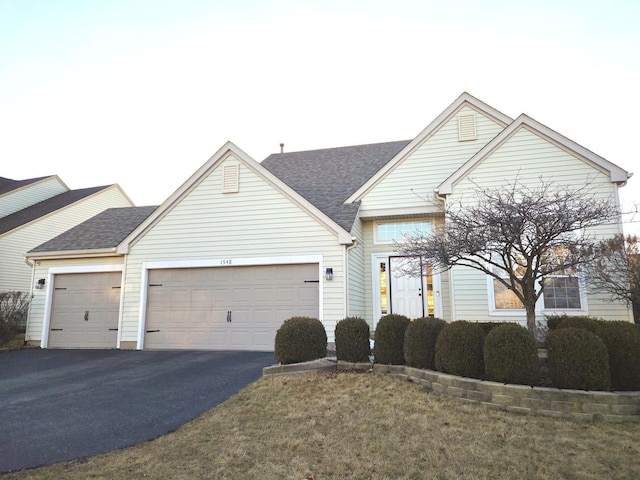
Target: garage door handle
{"x":153,"y":331}
{"x":113,"y":329}
{"x":229,"y":316}
{"x":56,"y":329}
{"x":86,"y":315}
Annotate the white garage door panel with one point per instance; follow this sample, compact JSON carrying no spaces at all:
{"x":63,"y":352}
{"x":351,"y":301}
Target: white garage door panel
{"x":188,"y":308}
{"x":84,"y":310}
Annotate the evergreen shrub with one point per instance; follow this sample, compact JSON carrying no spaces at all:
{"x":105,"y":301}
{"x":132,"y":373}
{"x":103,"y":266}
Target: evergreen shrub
{"x":577,"y":359}
{"x":389,"y":337}
{"x":459,"y":349}
{"x":622,"y":340}
{"x":300,"y":339}
{"x":352,"y":340}
{"x":420,"y":342}
{"x":578,"y":321}
{"x":511,"y":355}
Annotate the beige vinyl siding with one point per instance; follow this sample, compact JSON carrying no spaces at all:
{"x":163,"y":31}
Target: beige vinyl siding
{"x":16,"y":275}
{"x":38,"y":302}
{"x":257,"y":222}
{"x":28,"y":195}
{"x":531,"y":159}
{"x":413,"y":181}
{"x":357,"y":278}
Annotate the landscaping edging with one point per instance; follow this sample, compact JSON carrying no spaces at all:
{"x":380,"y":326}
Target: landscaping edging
{"x":616,"y":407}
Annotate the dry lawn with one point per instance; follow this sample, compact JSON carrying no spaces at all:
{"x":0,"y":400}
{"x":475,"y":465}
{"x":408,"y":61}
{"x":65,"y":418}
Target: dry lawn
{"x":365,"y":426}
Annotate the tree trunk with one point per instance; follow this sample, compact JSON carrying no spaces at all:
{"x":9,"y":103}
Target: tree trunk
{"x":531,"y":319}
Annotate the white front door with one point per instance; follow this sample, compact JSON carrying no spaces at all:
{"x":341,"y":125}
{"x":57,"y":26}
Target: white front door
{"x":396,"y":292}
{"x":405,"y":292}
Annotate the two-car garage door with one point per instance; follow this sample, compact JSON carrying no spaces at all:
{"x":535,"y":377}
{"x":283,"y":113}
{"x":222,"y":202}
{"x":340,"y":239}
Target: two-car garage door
{"x":226,"y":308}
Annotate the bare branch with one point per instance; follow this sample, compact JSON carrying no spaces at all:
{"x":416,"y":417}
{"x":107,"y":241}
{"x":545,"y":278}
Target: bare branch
{"x":518,"y":235}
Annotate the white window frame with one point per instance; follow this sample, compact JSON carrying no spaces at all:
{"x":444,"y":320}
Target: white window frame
{"x":376,"y":225}
{"x":540,"y":308}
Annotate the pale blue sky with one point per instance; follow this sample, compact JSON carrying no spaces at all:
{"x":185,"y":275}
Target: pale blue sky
{"x":141,"y":93}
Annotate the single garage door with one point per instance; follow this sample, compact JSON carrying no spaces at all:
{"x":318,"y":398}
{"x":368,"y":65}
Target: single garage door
{"x":227,"y":308}
{"x":84,"y":310}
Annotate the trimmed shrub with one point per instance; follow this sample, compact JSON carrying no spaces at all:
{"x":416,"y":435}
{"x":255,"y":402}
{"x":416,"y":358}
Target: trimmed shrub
{"x":389,"y":338}
{"x":554,"y":320}
{"x":459,"y":349}
{"x":622,"y":340}
{"x":352,"y":340}
{"x":488,"y":326}
{"x":511,"y":355}
{"x":578,"y":321}
{"x":420,"y":342}
{"x":577,"y":359}
{"x":300,"y":339}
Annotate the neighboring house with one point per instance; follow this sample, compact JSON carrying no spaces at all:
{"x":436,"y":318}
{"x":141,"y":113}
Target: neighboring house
{"x":36,"y":210}
{"x":241,"y":246}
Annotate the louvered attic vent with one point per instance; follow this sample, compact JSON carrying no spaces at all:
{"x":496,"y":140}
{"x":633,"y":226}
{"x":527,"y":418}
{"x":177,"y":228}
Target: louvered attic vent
{"x":230,"y":174}
{"x":467,"y":127}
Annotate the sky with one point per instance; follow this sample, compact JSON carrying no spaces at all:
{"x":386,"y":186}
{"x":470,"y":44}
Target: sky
{"x":143,"y":92}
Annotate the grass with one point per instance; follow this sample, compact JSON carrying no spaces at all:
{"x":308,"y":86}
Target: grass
{"x":365,"y":426}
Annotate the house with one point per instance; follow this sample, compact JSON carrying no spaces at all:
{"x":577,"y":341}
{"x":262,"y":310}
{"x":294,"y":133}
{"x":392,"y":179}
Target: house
{"x":242,"y":246}
{"x":35,"y":210}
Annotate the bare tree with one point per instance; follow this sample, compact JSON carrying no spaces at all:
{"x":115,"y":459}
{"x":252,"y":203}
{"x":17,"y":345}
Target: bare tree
{"x":13,"y":313}
{"x":616,"y":270}
{"x":518,"y":235}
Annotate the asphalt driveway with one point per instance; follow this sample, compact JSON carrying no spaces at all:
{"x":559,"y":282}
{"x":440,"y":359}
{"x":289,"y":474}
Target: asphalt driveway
{"x":59,"y":405}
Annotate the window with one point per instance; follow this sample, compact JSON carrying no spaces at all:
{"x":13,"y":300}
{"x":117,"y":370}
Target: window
{"x":562,"y":291}
{"x":505,"y":299}
{"x":396,"y":231}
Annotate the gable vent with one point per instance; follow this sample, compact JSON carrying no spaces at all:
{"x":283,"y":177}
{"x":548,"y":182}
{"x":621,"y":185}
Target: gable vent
{"x":467,"y":127}
{"x":230,"y":174}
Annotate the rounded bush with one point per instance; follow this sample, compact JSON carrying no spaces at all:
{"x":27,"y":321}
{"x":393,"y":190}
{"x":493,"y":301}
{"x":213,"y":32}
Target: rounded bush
{"x":352,"y":340}
{"x":420,"y":342}
{"x":459,"y":349}
{"x":586,"y":323}
{"x":622,"y":340}
{"x":389,"y":338}
{"x":488,"y":326}
{"x":577,"y":359}
{"x":300,"y":339}
{"x":511,"y":355}
{"x":554,"y":320}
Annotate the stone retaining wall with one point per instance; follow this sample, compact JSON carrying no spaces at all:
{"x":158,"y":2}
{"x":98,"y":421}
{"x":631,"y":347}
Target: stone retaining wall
{"x":552,"y":402}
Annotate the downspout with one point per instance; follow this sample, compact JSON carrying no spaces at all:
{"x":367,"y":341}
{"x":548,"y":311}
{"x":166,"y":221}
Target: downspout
{"x":33,"y":279}
{"x":452,"y":295}
{"x":122,"y":293}
{"x":354,"y":244}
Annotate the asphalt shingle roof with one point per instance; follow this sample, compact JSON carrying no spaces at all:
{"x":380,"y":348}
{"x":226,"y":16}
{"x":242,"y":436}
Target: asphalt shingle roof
{"x":7,"y":184}
{"x":327,"y":177}
{"x":26,"y":215}
{"x":105,"y":230}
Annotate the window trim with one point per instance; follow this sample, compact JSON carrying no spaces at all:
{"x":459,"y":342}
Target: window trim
{"x":377,"y":241}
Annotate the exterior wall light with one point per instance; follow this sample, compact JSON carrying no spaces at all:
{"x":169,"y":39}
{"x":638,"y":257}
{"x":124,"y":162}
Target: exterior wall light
{"x":40,"y":283}
{"x":328,"y":274}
